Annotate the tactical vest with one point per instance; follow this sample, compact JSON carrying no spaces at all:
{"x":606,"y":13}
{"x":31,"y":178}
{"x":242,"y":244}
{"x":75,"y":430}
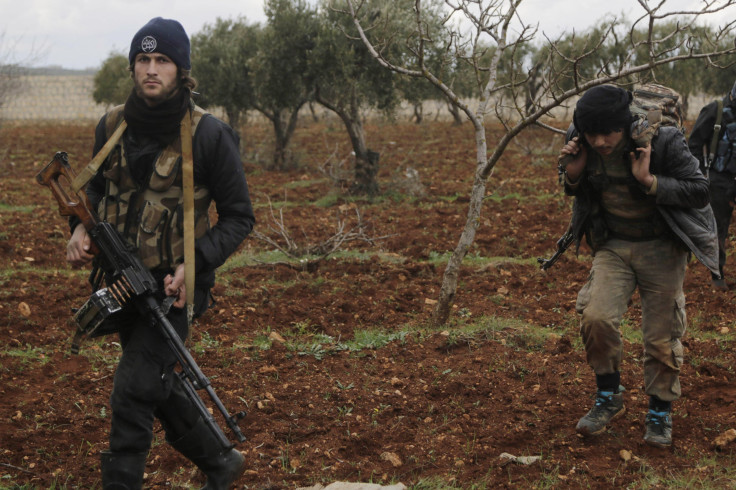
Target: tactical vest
{"x":725,"y":160}
{"x":151,"y":216}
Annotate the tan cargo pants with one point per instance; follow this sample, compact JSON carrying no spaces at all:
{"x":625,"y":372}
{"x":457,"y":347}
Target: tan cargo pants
{"x":657,"y":268}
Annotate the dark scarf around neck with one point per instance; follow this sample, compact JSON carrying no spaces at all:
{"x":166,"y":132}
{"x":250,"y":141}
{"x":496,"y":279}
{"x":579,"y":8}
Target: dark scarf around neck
{"x":160,"y":122}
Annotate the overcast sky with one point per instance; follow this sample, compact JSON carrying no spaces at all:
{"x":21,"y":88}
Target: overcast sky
{"x":80,"y":34}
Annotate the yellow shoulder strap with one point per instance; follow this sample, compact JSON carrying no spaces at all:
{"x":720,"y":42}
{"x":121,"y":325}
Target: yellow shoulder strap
{"x":90,"y":170}
{"x":188,"y":204}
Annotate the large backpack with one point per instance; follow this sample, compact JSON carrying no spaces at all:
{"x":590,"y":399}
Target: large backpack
{"x":653,"y":106}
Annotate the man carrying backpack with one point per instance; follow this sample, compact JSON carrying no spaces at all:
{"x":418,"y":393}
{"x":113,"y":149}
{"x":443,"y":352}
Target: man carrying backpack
{"x":712,"y":141}
{"x":641,"y":209}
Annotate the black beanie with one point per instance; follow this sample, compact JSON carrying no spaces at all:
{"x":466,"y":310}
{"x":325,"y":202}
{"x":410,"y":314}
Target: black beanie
{"x":165,"y":36}
{"x":603,"y":109}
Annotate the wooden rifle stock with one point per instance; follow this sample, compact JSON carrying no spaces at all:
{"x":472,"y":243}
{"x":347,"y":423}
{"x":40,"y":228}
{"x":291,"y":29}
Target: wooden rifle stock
{"x":75,"y":205}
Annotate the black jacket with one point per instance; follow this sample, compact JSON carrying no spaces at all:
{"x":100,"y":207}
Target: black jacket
{"x":702,"y":132}
{"x":682,"y":197}
{"x":217,"y":166}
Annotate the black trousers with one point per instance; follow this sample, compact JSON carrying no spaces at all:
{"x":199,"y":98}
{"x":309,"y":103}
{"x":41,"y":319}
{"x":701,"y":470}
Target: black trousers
{"x":722,"y":193}
{"x":145,"y":385}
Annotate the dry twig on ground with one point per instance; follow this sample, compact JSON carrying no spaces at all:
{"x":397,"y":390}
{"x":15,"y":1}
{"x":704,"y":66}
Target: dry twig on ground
{"x":308,"y":255}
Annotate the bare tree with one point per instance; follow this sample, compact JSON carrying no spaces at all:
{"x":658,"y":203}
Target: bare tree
{"x":306,"y":254}
{"x":504,"y":94}
{"x":13,"y":68}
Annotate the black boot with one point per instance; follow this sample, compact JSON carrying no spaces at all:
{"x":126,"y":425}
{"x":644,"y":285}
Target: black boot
{"x":221,"y":466}
{"x":122,"y":471}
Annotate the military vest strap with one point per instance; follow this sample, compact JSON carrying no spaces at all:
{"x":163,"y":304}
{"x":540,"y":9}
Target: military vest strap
{"x":150,"y":214}
{"x":83,"y":178}
{"x":716,"y":134}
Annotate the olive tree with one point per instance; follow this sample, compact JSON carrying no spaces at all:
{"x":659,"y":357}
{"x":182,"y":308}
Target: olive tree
{"x":220,"y":57}
{"x":280,"y":70}
{"x":348,"y":81}
{"x":498,"y":22}
{"x":112,"y":82}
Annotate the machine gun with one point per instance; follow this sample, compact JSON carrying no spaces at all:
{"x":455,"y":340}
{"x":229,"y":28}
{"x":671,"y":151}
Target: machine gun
{"x":129,"y":282}
{"x":562,"y":244}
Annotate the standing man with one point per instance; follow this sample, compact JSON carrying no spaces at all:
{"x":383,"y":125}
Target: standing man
{"x":138,"y":189}
{"x":713,"y":141}
{"x":640,"y":210}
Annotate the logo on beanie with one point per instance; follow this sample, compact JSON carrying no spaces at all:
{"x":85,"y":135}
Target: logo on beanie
{"x":148,"y":44}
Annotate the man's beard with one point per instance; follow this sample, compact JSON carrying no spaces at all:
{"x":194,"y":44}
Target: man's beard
{"x":156,"y":99}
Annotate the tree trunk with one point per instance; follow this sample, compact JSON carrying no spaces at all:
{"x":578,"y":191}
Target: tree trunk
{"x":282,"y":136}
{"x":366,"y":170}
{"x":279,"y":145}
{"x":685,"y":104}
{"x":449,"y":279}
{"x":315,"y":117}
{"x":233,"y":117}
{"x":418,"y":113}
{"x":365,"y":180}
{"x":455,"y":111}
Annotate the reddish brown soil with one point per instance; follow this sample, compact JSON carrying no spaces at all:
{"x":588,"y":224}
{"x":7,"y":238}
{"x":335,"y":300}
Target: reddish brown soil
{"x":445,"y":402}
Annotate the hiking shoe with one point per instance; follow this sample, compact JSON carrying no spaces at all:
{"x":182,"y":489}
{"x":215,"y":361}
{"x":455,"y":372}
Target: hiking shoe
{"x":659,"y":429}
{"x":608,"y":405}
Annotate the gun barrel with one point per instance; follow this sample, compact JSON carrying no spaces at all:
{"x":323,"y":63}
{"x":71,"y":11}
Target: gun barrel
{"x":563,"y":244}
{"x":193,"y":378}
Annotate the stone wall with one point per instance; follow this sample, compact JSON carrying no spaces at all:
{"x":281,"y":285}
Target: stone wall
{"x":53,"y":97}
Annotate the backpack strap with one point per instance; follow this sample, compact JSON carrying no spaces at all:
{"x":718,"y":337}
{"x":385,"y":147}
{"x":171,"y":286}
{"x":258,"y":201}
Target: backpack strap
{"x":716,"y":134}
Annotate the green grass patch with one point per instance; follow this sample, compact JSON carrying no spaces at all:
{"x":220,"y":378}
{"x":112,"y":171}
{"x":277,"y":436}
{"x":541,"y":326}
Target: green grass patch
{"x":303,"y":340}
{"x":451,"y":198}
{"x":103,"y":353}
{"x":631,"y":332}
{"x":298,"y":184}
{"x":319,"y":345}
{"x":27,"y":355}
{"x":275,"y":205}
{"x":7,"y":208}
{"x":474,"y":259}
{"x":512,"y":332}
{"x":247,"y":258}
{"x":497,"y":197}
{"x":703,"y":330}
{"x":707,"y":474}
{"x":205,"y":342}
{"x":28,"y":267}
{"x":327,"y":201}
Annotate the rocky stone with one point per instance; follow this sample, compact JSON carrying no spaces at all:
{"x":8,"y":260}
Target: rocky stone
{"x":724,"y":439}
